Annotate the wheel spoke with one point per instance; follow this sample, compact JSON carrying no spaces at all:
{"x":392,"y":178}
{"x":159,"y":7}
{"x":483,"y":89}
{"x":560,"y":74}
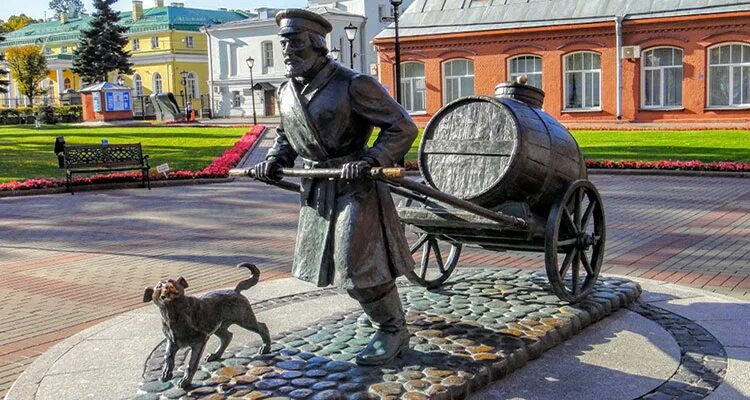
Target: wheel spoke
{"x":422,"y":239}
{"x":587,"y":215}
{"x":566,"y":263}
{"x":586,"y":264}
{"x":425,"y":260}
{"x":575,"y":271}
{"x":566,"y":242}
{"x":577,"y":209}
{"x":438,"y":256}
{"x":570,"y":221}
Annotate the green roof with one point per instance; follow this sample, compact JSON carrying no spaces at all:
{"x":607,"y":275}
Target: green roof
{"x":159,"y":19}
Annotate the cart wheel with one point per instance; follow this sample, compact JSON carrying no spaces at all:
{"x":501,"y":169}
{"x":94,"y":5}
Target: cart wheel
{"x":432,"y":270}
{"x":576,"y":229}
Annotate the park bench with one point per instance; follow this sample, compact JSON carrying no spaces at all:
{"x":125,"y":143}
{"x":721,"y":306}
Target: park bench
{"x":81,"y":159}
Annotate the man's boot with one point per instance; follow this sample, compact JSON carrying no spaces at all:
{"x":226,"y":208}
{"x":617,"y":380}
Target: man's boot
{"x":391,"y":338}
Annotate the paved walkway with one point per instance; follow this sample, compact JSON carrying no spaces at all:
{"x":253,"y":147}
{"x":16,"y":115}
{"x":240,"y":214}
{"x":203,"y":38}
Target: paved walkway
{"x":70,"y":262}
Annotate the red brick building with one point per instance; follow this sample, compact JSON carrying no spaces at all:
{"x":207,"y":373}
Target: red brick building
{"x":682,"y":61}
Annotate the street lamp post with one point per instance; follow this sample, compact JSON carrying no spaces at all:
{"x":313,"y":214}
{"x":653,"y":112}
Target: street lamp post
{"x":184,"y":76}
{"x":250,"y":64}
{"x":351,"y":34}
{"x":396,"y":4}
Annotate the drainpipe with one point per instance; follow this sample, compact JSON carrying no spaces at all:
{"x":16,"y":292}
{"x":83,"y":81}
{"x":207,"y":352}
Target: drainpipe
{"x":210,"y":72}
{"x":618,"y":33}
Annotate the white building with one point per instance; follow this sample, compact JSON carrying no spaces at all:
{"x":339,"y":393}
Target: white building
{"x":232,"y":43}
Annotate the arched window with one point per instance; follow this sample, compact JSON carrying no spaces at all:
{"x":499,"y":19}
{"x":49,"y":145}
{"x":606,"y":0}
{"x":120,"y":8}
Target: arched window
{"x":583,"y":74}
{"x":661,"y":77}
{"x":66,"y":83}
{"x":413,"y":86}
{"x":138,"y":85}
{"x":528,"y":65}
{"x":458,"y":79}
{"x":192,"y":86}
{"x":729,"y":75}
{"x":157,"y":83}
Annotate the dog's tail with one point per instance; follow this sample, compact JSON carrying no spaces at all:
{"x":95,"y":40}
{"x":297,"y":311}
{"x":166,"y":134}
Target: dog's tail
{"x":252,"y":281}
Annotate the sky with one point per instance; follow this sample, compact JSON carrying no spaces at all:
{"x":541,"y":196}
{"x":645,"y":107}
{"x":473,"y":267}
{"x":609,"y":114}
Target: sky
{"x":36,"y":8}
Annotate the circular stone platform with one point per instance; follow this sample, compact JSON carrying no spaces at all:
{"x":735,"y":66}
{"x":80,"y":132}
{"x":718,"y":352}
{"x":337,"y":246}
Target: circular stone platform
{"x":478,"y":328}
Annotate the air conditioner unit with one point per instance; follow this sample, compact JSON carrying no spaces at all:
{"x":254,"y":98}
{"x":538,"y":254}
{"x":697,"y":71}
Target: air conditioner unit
{"x":631,"y":52}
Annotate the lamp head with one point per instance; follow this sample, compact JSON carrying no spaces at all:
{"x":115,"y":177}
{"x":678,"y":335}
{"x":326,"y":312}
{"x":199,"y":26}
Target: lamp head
{"x":335,"y":54}
{"x":396,"y":3}
{"x":250,"y":62}
{"x":351,"y":32}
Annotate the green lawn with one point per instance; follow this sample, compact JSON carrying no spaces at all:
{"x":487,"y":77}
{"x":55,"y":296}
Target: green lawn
{"x":707,"y":146}
{"x":26,"y":152}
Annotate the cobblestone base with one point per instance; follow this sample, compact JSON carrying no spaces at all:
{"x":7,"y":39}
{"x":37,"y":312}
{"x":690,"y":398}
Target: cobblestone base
{"x":475,"y":330}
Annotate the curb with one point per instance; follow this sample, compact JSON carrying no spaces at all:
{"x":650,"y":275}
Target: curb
{"x":110,"y":186}
{"x":670,"y":172}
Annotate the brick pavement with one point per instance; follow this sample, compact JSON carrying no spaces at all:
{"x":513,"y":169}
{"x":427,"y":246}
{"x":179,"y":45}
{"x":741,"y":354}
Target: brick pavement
{"x":69,"y":262}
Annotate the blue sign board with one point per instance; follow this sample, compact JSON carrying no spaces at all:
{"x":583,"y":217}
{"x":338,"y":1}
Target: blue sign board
{"x":97,"y":102}
{"x":117,"y":101}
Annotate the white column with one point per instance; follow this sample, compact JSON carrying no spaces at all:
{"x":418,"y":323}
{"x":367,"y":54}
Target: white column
{"x":60,"y":84}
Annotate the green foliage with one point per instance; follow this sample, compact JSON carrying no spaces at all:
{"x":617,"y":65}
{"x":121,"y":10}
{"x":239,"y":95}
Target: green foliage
{"x":101,"y":49}
{"x":16,"y":22}
{"x":26,"y":152}
{"x":29,"y":67}
{"x":50,"y":114}
{"x":70,"y":7}
{"x":3,"y":72}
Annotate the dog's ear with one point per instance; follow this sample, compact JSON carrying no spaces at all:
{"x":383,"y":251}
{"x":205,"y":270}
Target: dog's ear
{"x":148,"y":294}
{"x":183,"y":282}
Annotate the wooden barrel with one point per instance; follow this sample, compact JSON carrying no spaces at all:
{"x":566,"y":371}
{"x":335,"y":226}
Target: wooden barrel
{"x":490,"y":150}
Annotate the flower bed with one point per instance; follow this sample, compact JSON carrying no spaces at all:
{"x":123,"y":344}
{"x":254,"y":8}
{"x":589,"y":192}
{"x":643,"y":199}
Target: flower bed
{"x":219,"y":168}
{"x":722,"y":166}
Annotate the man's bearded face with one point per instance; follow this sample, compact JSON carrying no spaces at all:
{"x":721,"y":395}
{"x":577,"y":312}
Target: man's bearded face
{"x":299,"y":54}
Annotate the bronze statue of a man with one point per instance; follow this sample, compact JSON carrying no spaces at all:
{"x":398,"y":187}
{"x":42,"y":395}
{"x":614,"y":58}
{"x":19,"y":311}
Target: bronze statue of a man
{"x":349,"y":233}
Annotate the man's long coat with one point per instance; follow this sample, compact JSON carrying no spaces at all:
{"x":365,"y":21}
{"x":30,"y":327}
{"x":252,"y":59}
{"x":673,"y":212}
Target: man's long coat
{"x":349,"y":233}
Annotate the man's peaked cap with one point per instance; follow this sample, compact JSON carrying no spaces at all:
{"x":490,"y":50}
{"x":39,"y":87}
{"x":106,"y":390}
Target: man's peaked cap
{"x":293,"y":20}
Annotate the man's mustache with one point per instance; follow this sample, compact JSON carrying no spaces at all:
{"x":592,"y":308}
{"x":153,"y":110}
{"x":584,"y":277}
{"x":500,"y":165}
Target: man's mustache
{"x":293,"y":59}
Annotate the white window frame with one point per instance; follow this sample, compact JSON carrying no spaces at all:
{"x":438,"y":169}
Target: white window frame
{"x":458,"y":77}
{"x":746,"y":47}
{"x":138,"y":85}
{"x":64,"y":50}
{"x":191,"y":83}
{"x":264,"y":48}
{"x":189,"y":42}
{"x":236,"y":99}
{"x":157,"y":78}
{"x":662,"y":81}
{"x":154,"y":42}
{"x":135,"y":44}
{"x":583,"y":89}
{"x":512,"y":76}
{"x":412,"y":93}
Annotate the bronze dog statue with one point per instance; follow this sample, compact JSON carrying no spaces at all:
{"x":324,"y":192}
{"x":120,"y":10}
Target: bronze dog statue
{"x":189,"y":321}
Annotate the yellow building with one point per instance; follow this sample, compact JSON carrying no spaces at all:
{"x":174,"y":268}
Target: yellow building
{"x":168,"y":51}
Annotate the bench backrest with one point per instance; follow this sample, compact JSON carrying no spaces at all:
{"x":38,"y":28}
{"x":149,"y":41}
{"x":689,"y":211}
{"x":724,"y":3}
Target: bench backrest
{"x":111,"y":155}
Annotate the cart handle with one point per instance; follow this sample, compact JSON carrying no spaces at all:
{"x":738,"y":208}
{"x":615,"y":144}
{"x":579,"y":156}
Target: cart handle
{"x":331,"y":173}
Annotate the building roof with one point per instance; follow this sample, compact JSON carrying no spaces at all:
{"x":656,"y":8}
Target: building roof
{"x":430,"y":17}
{"x":270,"y":14}
{"x":104,"y":86}
{"x":156,"y":19}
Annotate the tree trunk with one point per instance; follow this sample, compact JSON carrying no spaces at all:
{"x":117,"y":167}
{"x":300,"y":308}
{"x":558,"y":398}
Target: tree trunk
{"x":31,"y":100}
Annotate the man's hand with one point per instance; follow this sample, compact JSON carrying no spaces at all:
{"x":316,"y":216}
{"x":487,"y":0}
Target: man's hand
{"x":355,"y":170}
{"x":268,"y":171}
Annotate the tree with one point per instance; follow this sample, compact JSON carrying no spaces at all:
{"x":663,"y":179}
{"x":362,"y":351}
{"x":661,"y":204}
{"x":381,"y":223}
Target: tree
{"x":29,"y":67}
{"x":102,"y":46}
{"x":16,"y":22}
{"x":71,"y":7}
{"x":3,"y":72}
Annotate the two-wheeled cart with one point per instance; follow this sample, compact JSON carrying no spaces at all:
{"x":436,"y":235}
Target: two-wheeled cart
{"x":500,"y":174}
